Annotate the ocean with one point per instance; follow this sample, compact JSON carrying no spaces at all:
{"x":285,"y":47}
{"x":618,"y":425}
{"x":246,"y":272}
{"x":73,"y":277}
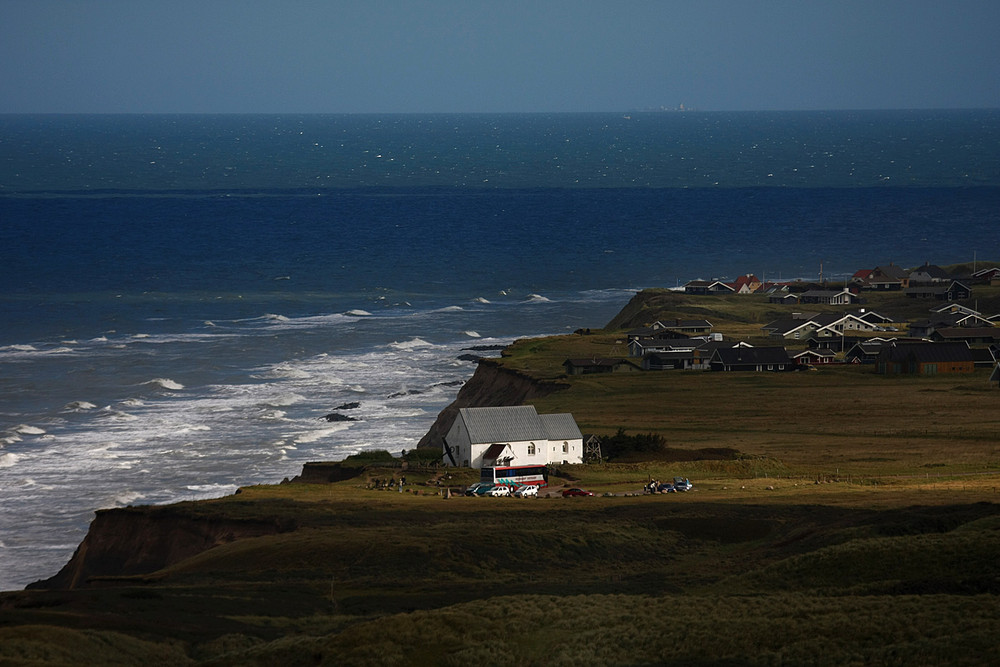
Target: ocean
{"x":185,"y":298}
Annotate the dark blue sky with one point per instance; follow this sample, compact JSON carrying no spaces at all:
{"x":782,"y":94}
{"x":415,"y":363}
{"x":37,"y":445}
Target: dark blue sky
{"x":229,"y":56}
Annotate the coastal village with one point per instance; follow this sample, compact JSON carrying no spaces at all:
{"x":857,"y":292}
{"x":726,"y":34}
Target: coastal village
{"x":824,"y":326}
{"x":952,"y":338}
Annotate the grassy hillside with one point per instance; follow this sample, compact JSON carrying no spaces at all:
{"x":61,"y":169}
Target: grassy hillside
{"x":847,"y":518}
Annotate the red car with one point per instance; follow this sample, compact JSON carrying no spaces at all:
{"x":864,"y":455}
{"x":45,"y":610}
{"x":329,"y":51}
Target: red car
{"x":576,"y":492}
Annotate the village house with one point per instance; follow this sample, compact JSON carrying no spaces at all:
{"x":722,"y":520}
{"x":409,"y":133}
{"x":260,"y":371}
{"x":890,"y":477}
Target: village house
{"x":970,"y":335}
{"x":785,"y":297}
{"x":865,"y":352}
{"x":592,"y":365}
{"x":986,"y":276}
{"x":755,"y":359}
{"x":747,"y":284}
{"x":819,"y":325}
{"x":871,"y":316}
{"x":962,"y":317}
{"x":815,"y":357}
{"x":702,"y":355}
{"x":861,"y":277}
{"x":955,"y":291}
{"x":829,"y":297}
{"x":928,"y":274}
{"x":836,"y":343}
{"x":925,"y":359}
{"x":668,"y":360}
{"x":707,"y":287}
{"x":889,"y":277}
{"x":511,"y":435}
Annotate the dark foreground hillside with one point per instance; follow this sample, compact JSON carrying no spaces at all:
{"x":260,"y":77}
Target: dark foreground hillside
{"x":352,"y":576}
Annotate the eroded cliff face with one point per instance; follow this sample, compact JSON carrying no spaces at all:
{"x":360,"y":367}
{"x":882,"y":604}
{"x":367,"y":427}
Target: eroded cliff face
{"x":140,"y":540}
{"x":491,"y":385}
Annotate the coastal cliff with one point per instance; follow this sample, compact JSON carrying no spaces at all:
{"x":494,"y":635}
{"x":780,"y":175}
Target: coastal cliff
{"x":491,"y":385}
{"x":134,"y":541}
{"x":140,"y":540}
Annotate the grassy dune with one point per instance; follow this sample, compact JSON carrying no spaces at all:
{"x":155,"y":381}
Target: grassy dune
{"x":856,"y":522}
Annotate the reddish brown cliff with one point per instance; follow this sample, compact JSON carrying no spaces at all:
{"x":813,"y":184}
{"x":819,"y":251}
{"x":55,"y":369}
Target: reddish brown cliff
{"x":141,"y":540}
{"x":491,"y":385}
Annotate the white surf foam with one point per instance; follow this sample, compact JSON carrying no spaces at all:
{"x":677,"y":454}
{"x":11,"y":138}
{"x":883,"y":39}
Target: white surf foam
{"x":472,"y":334}
{"x":318,"y":434}
{"x":79,"y":406}
{"x":412,"y":344}
{"x":166,"y":383}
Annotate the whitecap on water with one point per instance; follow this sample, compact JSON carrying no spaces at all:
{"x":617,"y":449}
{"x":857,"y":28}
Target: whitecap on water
{"x":127,"y":498}
{"x":18,"y":348}
{"x":358,"y":313}
{"x":410,"y":344}
{"x":166,"y":383}
{"x":26,"y":429}
{"x":8,"y":460}
{"x":481,"y":300}
{"x":449,"y":309}
{"x":537,"y":298}
{"x":79,"y":406}
{"x":472,"y":334}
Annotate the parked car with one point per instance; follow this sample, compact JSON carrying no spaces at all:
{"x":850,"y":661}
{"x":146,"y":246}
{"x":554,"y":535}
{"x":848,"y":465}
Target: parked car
{"x":682,"y":484}
{"x":568,"y":493}
{"x":478,"y":488}
{"x":499,"y":491}
{"x":666,"y":488}
{"x":527,"y":491}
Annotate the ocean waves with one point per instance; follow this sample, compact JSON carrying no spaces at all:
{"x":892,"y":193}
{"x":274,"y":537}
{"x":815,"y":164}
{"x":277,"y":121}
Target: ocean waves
{"x":141,"y":415}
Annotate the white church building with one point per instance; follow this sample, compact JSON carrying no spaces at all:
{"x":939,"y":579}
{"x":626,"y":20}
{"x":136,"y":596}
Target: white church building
{"x":512,"y":435}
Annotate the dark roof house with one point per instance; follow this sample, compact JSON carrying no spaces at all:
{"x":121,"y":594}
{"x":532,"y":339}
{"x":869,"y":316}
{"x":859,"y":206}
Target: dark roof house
{"x":755,"y":359}
{"x":925,"y":359}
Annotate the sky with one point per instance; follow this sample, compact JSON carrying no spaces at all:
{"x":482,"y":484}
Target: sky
{"x":456,"y":56}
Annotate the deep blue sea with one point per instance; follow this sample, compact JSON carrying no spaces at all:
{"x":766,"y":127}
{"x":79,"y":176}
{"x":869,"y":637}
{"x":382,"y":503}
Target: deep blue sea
{"x":185,"y":297}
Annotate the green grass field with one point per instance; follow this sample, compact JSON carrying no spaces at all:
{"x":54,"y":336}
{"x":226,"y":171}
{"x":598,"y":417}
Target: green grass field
{"x":855,"y":520}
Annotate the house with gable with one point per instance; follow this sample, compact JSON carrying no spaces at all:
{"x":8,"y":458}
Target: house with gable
{"x":511,"y":435}
{"x":889,"y":277}
{"x":815,"y":356}
{"x":871,"y":316}
{"x":865,"y":352}
{"x":954,"y":291}
{"x":707,"y":287}
{"x":748,"y":284}
{"x":754,"y":359}
{"x":928,"y":274}
{"x":970,"y":335}
{"x":987,"y":276}
{"x":861,"y":277}
{"x":818,"y":325}
{"x":829,"y":297}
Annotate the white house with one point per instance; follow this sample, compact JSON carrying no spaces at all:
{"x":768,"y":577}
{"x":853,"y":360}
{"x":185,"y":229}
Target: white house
{"x":512,"y":435}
